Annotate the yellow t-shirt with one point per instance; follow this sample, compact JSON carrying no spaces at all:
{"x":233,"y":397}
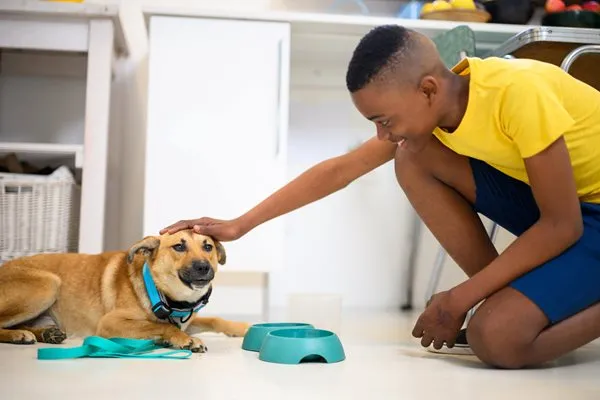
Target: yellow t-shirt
{"x":517,"y":108}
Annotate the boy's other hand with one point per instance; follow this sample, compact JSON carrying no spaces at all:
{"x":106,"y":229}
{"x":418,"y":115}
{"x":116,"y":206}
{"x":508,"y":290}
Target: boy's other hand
{"x":440,"y":322}
{"x":221,"y":230}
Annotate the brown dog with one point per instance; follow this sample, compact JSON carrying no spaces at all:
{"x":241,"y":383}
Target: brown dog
{"x":112,"y":295}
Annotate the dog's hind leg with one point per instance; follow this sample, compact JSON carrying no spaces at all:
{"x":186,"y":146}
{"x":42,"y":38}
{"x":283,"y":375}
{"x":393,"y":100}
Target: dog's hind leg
{"x":26,"y":293}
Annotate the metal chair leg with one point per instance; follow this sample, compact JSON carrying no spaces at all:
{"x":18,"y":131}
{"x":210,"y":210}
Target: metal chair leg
{"x":493,"y":232}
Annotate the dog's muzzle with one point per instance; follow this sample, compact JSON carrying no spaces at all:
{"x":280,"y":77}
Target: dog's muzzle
{"x":197,"y":275}
{"x":166,"y":309}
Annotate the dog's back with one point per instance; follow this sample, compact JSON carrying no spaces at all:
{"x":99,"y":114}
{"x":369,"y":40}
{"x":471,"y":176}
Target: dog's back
{"x":59,"y":263}
{"x":85,"y":281}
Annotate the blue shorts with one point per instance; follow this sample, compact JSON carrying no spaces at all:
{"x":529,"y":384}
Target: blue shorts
{"x":564,"y":285}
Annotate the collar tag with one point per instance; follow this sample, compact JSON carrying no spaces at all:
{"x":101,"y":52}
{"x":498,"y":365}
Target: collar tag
{"x":161,"y":310}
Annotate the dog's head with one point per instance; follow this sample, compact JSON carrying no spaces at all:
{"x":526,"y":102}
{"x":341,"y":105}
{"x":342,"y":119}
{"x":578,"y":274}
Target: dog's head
{"x":183,"y":264}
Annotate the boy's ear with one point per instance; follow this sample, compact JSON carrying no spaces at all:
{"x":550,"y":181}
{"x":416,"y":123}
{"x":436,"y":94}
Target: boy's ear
{"x":146,"y":246}
{"x":222,"y":257}
{"x":429,"y":86}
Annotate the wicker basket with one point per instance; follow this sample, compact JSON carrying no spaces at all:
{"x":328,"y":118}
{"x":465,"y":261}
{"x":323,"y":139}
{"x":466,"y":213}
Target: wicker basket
{"x":38,"y":214}
{"x":457,"y":14}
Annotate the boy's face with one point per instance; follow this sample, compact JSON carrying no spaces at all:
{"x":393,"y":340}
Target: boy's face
{"x":402,"y":114}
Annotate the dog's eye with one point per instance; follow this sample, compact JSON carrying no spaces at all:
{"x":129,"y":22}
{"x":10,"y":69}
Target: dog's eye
{"x":207,"y":247}
{"x":180,"y":247}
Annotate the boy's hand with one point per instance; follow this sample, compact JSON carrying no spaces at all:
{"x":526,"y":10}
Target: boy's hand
{"x":222,"y":230}
{"x":440,"y":322}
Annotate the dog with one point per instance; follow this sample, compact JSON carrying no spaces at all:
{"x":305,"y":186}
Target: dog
{"x":153,"y":291}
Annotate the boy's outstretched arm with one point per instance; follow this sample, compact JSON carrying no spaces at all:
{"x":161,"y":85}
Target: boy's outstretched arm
{"x":317,"y":182}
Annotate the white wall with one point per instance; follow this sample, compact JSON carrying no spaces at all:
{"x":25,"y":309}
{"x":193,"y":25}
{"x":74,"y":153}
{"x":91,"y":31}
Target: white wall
{"x":58,"y":104}
{"x":354,"y":242}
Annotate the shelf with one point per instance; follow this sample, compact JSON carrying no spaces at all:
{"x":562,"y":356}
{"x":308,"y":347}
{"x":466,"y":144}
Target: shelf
{"x":42,"y":148}
{"x":488,"y":35}
{"x":45,"y":15}
{"x":59,"y":9}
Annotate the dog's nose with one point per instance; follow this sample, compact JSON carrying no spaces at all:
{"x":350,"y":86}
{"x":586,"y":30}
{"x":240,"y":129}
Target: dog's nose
{"x":197,"y":274}
{"x":201,"y":267}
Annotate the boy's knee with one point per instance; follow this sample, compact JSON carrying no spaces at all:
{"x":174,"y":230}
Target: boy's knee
{"x":408,"y":167}
{"x":435,"y":161}
{"x":495,"y":343}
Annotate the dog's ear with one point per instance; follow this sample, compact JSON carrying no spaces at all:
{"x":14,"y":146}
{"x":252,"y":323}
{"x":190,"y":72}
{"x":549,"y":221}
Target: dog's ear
{"x":221,"y":252}
{"x":146,"y":246}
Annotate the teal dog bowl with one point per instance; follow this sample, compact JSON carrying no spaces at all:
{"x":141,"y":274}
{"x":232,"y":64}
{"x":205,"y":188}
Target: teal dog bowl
{"x":295,"y":346}
{"x":255,"y":336}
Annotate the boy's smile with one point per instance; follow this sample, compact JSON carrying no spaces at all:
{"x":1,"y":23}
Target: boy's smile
{"x":402,"y":114}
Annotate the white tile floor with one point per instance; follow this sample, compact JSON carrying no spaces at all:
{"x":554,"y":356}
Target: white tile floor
{"x":383,"y":362}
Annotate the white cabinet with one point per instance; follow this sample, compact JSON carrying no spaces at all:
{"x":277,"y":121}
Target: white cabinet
{"x":217,"y":127}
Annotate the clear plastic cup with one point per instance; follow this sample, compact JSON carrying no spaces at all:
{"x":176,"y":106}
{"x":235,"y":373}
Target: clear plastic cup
{"x":323,"y":310}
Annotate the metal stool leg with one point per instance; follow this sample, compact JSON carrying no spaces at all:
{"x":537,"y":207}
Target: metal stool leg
{"x":493,"y":232}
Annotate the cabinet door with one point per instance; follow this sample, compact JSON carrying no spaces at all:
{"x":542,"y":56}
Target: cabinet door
{"x":217,"y":127}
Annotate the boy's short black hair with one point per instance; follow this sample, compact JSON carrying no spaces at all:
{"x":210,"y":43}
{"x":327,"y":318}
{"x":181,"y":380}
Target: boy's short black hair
{"x":374,"y":53}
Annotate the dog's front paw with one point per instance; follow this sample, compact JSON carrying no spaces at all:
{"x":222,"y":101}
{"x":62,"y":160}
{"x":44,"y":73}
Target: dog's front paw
{"x":182,"y":340}
{"x":198,"y":346}
{"x":53,"y":335}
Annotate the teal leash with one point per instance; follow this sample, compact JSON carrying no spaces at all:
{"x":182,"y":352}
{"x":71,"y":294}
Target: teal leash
{"x":98,"y":347}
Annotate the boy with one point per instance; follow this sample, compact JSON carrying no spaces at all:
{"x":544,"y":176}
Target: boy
{"x":515,"y":140}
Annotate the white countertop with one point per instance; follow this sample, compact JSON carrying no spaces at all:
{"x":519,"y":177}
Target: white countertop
{"x":487,"y":34}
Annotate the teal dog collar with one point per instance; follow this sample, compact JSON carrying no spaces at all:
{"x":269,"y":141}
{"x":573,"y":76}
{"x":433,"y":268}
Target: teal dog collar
{"x":167,"y":309}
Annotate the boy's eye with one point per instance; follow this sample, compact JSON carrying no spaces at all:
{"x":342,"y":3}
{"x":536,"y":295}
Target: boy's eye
{"x":385,"y":123}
